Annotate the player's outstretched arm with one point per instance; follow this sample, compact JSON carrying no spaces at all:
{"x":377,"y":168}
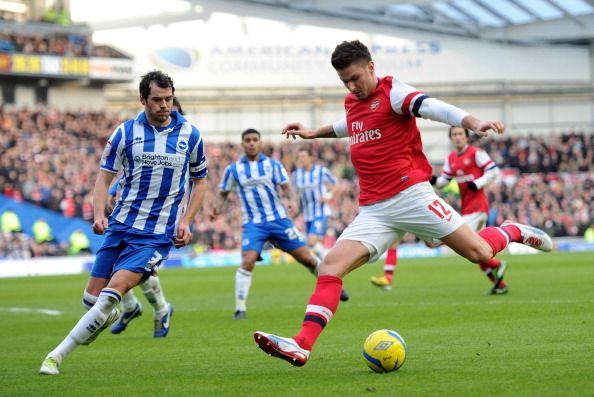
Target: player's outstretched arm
{"x":295,"y":130}
{"x":481,"y":127}
{"x":436,"y":110}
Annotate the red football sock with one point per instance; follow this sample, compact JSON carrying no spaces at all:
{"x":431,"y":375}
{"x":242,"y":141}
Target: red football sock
{"x":496,"y":237}
{"x":493,"y":263}
{"x":514,"y":233}
{"x":390,"y":264}
{"x":320,"y":309}
{"x":487,"y":266}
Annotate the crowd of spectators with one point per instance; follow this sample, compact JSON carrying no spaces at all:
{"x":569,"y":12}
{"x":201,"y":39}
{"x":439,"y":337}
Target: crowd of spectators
{"x":23,"y":246}
{"x":51,"y":158}
{"x":63,"y":44}
{"x":568,"y":152}
{"x":42,"y":39}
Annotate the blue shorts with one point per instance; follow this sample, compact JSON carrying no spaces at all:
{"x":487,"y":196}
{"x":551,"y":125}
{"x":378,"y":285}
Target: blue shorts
{"x":317,"y":227}
{"x":282,"y":233}
{"x":129,"y":249}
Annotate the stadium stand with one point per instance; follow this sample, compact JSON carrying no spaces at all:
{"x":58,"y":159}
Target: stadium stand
{"x":49,"y":158}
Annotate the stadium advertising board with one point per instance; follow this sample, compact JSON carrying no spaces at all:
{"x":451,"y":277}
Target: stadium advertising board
{"x":42,"y":266}
{"x":66,"y":67}
{"x":247,"y":55}
{"x":44,"y":65}
{"x":110,"y":69}
{"x":5,"y":64}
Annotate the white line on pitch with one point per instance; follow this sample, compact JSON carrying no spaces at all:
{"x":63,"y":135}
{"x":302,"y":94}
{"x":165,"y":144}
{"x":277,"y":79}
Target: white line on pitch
{"x":48,"y":312}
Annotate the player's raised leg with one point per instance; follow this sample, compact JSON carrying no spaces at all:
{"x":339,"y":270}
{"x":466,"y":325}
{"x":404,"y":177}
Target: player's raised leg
{"x":482,"y":246}
{"x":102,"y":314}
{"x":344,"y":257}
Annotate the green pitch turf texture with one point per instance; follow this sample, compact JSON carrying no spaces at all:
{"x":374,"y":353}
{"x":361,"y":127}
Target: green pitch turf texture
{"x":538,"y":340}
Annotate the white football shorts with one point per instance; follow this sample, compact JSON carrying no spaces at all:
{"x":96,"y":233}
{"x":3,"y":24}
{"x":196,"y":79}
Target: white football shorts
{"x":417,"y":210}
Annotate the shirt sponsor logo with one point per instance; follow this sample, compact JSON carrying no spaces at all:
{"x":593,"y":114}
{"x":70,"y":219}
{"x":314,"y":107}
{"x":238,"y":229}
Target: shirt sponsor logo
{"x":254,"y":181}
{"x":360,"y":135}
{"x":366,"y":136}
{"x":163,"y":160}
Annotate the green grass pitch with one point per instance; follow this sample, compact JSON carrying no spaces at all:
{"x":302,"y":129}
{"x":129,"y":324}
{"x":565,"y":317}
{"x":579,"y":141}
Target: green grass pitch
{"x":538,"y":340}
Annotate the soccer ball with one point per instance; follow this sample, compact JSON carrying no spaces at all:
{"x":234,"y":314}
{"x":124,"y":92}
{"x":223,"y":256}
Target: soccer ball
{"x":384,"y":351}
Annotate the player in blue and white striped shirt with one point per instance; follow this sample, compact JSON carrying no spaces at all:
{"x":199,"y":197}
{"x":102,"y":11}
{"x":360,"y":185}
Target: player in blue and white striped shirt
{"x":311,"y":182}
{"x":157,"y":150}
{"x":151,"y":287}
{"x":257,"y":179}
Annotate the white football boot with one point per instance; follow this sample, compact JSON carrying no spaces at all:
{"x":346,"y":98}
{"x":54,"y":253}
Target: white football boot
{"x":284,"y":348}
{"x":532,"y":237}
{"x":50,"y":366}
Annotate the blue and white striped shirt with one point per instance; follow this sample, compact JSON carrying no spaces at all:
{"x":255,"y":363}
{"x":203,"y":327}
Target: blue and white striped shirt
{"x":312,"y":186}
{"x":156,"y":163}
{"x":257,"y":184}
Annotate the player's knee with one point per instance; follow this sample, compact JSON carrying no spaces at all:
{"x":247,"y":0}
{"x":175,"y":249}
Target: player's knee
{"x":332,"y":266}
{"x":248,"y":264}
{"x":88,"y":300}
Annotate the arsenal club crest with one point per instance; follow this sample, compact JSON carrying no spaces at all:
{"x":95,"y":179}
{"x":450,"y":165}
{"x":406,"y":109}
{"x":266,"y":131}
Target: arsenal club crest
{"x":375,"y":104}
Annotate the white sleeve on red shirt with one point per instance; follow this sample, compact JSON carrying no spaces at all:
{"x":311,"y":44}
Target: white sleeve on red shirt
{"x":482,"y":159}
{"x":340,"y":128}
{"x":490,"y":169}
{"x":409,"y":101}
{"x":446,"y":175}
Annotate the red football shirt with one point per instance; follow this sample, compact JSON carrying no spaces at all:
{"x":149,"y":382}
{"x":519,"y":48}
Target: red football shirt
{"x":466,"y":167}
{"x":386,"y":147}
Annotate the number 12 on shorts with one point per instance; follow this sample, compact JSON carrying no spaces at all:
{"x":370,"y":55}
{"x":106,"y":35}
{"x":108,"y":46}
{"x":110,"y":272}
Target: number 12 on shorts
{"x":440,"y":209}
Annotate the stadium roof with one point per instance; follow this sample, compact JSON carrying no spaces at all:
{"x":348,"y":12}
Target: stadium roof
{"x":519,"y":21}
{"x":556,"y":21}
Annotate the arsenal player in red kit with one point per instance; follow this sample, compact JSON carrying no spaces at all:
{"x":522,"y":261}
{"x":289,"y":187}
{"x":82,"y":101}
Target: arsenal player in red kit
{"x":396,"y":197}
{"x":473,"y":169}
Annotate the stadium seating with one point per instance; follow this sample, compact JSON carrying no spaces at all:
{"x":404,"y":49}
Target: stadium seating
{"x":50,"y":158}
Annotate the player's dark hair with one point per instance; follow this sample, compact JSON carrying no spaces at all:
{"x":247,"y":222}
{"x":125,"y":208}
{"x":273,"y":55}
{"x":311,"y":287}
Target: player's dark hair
{"x":161,"y":80}
{"x":250,"y":131}
{"x":349,"y":52}
{"x":178,"y":105}
{"x":306,"y":150}
{"x":465,"y":131}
